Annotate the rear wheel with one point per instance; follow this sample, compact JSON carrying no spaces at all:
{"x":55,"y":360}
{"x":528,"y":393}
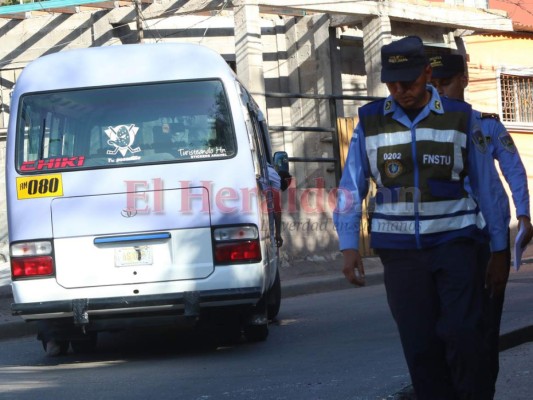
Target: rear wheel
{"x":55,"y":348}
{"x":86,"y":344}
{"x":256,"y":326}
{"x":219,"y":327}
{"x":256,"y":333}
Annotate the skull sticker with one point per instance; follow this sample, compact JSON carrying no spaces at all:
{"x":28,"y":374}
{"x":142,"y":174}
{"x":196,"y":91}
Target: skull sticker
{"x":121,"y":137}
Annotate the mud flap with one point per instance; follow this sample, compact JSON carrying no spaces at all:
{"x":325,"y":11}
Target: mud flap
{"x":79,"y":310}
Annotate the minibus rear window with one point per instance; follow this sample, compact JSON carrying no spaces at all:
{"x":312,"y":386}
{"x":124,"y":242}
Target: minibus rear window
{"x":124,"y":125}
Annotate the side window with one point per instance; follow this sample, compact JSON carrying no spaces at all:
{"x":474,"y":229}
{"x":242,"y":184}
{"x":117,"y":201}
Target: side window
{"x":46,"y":135}
{"x":97,"y":142}
{"x":265,"y":136}
{"x":30,"y":135}
{"x":258,"y":143}
{"x":254,"y":151}
{"x":58,"y":135}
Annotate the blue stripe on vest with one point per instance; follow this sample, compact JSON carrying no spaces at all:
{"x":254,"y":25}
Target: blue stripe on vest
{"x":398,"y":241}
{"x":411,"y":217}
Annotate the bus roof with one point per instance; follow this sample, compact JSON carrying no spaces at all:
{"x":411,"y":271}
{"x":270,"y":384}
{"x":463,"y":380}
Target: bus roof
{"x":123,"y":64}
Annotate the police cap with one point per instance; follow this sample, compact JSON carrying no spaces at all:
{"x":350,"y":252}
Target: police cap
{"x":403,"y":60}
{"x":447,"y":65}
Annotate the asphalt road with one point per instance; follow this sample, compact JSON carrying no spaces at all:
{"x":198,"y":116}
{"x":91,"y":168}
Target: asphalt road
{"x":336,"y":345}
{"x":340,"y":344}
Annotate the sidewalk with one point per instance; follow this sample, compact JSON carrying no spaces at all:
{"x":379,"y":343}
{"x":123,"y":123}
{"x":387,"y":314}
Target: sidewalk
{"x":321,"y":274}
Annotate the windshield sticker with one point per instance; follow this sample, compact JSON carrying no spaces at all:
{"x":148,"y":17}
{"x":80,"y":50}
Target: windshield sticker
{"x":41,"y":186}
{"x":123,"y":159}
{"x":52,"y":163}
{"x":203,"y":153}
{"x":121,"y":138}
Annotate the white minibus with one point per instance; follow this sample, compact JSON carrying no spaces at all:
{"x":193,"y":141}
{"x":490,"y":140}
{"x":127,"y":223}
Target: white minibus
{"x":137,"y":196}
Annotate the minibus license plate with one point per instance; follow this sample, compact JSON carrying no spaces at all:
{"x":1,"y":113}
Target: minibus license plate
{"x":137,"y":255}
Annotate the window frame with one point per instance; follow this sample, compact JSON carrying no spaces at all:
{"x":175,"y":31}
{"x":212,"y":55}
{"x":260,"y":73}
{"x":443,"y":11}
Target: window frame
{"x":518,"y":72}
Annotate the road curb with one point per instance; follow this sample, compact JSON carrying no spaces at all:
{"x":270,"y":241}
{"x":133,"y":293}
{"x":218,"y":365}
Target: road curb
{"x":321,"y":284}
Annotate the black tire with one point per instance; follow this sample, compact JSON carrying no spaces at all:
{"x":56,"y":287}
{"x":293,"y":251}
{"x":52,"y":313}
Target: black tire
{"x":219,"y":328}
{"x":55,"y":348}
{"x":85,"y":345}
{"x":230,"y":334}
{"x":274,"y":298}
{"x":256,"y":333}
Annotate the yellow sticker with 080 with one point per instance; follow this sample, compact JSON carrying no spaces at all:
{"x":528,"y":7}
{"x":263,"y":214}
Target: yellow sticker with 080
{"x":31,"y":187}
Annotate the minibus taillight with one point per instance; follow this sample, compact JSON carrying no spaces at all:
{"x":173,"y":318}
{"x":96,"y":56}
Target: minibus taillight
{"x":31,"y":260}
{"x":32,"y":267}
{"x":236,"y":244}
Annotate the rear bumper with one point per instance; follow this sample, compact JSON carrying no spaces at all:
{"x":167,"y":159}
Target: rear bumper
{"x":185,"y":303}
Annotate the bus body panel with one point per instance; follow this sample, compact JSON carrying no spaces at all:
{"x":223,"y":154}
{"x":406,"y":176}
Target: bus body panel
{"x":134,"y":225}
{"x":180,"y":254}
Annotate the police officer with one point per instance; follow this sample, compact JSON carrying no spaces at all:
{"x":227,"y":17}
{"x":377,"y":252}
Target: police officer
{"x":427,"y":228}
{"x":450,"y":79}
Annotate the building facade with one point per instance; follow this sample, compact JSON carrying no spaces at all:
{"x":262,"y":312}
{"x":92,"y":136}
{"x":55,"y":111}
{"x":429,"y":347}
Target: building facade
{"x":311,"y":51}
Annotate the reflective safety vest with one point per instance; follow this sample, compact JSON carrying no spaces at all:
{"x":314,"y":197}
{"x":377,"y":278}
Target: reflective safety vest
{"x":419,"y":172}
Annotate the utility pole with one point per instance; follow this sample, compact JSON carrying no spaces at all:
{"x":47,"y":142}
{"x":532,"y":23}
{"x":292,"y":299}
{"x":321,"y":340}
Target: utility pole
{"x":140,"y":32}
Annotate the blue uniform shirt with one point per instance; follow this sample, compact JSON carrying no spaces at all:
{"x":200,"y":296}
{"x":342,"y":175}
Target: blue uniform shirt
{"x":503,"y":150}
{"x":354,"y":183}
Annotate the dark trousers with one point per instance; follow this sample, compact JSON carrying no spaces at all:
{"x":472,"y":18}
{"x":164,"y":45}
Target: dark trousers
{"x":436,"y":297}
{"x":493,"y":317}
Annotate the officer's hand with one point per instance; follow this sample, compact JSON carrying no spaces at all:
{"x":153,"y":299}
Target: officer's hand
{"x":279,"y":241}
{"x":353,"y":268}
{"x":497,"y":273}
{"x":526,"y":222}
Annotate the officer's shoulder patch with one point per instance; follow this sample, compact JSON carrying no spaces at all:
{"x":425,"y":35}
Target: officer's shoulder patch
{"x":479,"y":140}
{"x":507,"y":142}
{"x":490,"y":115}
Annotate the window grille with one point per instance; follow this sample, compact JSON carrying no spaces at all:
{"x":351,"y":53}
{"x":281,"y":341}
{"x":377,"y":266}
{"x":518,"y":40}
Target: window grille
{"x":517,"y":98}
